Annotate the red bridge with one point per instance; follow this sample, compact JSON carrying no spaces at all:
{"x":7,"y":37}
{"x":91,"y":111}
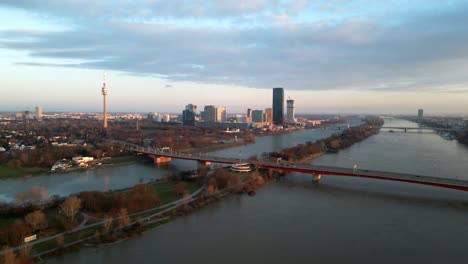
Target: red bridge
{"x":165,"y":155}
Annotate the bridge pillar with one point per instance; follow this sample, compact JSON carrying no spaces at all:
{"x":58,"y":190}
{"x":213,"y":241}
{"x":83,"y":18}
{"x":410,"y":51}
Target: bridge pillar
{"x":405,"y":129}
{"x":316,"y":177}
{"x":160,"y":159}
{"x":204,"y":163}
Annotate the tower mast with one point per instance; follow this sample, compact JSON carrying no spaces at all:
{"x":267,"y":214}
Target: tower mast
{"x":104,"y":93}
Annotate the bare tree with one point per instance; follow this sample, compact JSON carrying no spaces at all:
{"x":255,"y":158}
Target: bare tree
{"x":37,"y":220}
{"x":71,"y":206}
{"x":124,"y":220}
{"x":107,"y":223}
{"x":9,"y":256}
{"x":60,"y":240}
{"x":179,"y":188}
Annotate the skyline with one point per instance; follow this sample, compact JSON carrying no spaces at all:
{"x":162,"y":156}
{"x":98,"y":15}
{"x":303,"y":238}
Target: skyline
{"x":342,"y":57}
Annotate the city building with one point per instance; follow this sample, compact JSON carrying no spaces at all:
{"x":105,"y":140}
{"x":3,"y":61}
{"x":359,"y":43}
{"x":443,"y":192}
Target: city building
{"x":258,"y":116}
{"x":209,"y":113}
{"x":278,"y":106}
{"x":248,"y":118}
{"x":290,"y":112}
{"x":221,"y":115}
{"x":188,"y":115}
{"x":39,"y":113}
{"x":268,"y":115}
{"x":212,"y":114}
{"x":420,"y":113}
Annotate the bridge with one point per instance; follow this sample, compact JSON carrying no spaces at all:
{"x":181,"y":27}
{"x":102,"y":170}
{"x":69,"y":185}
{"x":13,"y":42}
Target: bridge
{"x":421,"y":128}
{"x":165,"y":155}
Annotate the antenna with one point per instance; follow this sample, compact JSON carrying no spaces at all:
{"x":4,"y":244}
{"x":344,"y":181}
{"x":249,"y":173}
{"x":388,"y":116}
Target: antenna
{"x":104,"y":88}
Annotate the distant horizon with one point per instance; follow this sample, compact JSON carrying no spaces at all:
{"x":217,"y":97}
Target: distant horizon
{"x":426,"y":114}
{"x":329,"y":56}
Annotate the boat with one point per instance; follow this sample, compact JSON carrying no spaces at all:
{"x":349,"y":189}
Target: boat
{"x":241,"y":167}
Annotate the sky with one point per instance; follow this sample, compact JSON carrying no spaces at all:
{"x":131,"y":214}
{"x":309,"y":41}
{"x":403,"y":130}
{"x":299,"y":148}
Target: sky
{"x":330,"y":56}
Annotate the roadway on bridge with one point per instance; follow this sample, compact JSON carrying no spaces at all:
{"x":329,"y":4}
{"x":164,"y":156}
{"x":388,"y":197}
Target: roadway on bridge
{"x":314,"y":169}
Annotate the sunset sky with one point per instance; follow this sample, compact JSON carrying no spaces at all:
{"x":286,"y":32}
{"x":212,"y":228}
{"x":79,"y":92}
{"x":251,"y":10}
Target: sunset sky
{"x":339,"y":56}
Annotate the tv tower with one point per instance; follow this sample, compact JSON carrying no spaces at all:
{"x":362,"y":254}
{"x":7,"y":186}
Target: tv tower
{"x":104,"y":93}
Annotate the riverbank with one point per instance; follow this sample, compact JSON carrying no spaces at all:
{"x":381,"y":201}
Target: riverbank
{"x":186,"y":206}
{"x":7,"y":172}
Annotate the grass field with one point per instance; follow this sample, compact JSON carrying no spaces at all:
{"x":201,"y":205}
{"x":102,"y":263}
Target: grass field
{"x":166,"y":192}
{"x":9,"y":172}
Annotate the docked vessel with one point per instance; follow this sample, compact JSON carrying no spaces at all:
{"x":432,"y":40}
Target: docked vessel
{"x":241,"y":167}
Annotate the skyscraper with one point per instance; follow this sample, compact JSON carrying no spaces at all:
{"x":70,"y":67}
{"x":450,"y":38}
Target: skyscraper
{"x":210,"y":113}
{"x":290,"y":111}
{"x":188,"y":115}
{"x":104,"y":93}
{"x":258,"y":116}
{"x":278,"y":106}
{"x":420,"y":113}
{"x":39,"y":113}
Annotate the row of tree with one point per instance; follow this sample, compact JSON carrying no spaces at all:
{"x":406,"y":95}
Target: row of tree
{"x":335,"y":142}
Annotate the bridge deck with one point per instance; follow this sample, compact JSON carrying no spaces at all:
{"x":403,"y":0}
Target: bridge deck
{"x":316,"y":169}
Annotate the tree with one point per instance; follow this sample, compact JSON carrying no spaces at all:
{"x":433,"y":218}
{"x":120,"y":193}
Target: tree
{"x":71,"y":206}
{"x":9,"y":256}
{"x":180,"y":188}
{"x":37,"y":220}
{"x":107,"y":223}
{"x":124,"y":220}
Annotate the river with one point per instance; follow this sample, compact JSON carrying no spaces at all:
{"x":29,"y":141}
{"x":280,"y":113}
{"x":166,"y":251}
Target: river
{"x":118,"y":177}
{"x":339,"y":220}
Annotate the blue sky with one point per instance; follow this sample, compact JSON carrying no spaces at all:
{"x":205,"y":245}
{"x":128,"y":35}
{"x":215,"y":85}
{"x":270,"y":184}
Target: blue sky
{"x":330,"y":56}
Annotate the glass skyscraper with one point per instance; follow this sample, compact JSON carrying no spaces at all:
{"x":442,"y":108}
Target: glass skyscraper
{"x":278,"y":106}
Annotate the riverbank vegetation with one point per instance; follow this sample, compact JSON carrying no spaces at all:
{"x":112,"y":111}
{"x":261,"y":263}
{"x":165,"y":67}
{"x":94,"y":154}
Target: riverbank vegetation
{"x":331,"y":144}
{"x":36,"y":146}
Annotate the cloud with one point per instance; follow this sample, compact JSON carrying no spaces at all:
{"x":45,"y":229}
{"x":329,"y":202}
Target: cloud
{"x":421,"y":50}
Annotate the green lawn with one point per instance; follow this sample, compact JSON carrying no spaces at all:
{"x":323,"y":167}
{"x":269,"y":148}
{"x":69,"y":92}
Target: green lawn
{"x":166,"y":192}
{"x":9,"y":172}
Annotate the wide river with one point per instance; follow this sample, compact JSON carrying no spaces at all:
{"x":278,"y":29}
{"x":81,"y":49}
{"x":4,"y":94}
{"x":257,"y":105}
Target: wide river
{"x":339,"y":220}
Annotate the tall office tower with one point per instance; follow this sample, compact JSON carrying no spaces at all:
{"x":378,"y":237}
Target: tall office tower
{"x":278,"y":106}
{"x":104,"y":93}
{"x":290,"y":111}
{"x":420,"y":113}
{"x":191,"y":107}
{"x":221,"y":115}
{"x":268,"y":115}
{"x":188,"y":115}
{"x":210,"y":113}
{"x":39,"y":113}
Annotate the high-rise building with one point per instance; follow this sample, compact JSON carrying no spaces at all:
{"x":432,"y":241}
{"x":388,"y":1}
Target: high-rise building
{"x":290,"y":111}
{"x":188,"y":115}
{"x":39,"y":113}
{"x":221,"y":115}
{"x":248,"y":117}
{"x":104,"y":93}
{"x":210,"y":113}
{"x":268,"y":115}
{"x":420,"y":113}
{"x":191,"y":107}
{"x":278,"y":106}
{"x":258,"y":116}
